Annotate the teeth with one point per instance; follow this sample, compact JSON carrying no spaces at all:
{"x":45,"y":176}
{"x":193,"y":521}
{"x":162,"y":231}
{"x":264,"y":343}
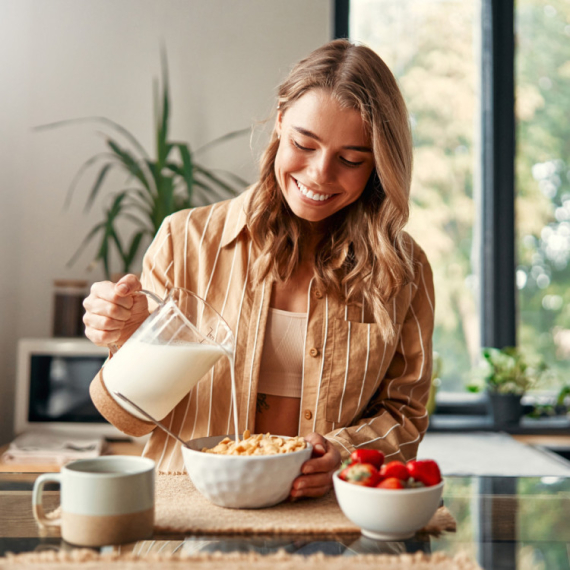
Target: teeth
{"x":310,"y":194}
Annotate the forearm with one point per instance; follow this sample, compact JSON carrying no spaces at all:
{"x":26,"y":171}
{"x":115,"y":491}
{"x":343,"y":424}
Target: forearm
{"x":395,"y":430}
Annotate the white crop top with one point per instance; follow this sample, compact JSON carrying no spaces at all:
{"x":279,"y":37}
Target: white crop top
{"x":281,"y":368}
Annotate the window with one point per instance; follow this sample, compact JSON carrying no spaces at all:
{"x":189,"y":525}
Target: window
{"x":456,"y":64}
{"x":542,"y":68}
{"x":432,"y":47}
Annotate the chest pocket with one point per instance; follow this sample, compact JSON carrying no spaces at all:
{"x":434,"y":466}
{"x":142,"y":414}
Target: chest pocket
{"x":360,"y":359}
{"x":356,"y":361}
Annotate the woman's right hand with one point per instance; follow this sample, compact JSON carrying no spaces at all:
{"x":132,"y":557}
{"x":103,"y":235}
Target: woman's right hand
{"x":113,"y":311}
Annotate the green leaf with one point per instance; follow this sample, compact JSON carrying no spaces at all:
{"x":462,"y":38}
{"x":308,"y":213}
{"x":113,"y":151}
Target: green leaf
{"x":115,"y":237}
{"x":79,"y":174}
{"x":98,"y":182}
{"x":103,"y":120}
{"x":134,"y":205}
{"x":132,"y":251}
{"x":129,"y":163}
{"x":86,"y":242}
{"x":165,"y":202}
{"x":165,"y":107}
{"x":228,"y":136}
{"x":187,"y":170}
{"x":137,"y":221}
{"x":217,"y":181}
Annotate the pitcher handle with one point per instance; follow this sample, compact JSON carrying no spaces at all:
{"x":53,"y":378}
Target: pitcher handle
{"x":153,"y":296}
{"x":113,"y":347}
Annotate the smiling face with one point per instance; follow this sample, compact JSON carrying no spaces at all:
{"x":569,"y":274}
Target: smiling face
{"x":324,"y":158}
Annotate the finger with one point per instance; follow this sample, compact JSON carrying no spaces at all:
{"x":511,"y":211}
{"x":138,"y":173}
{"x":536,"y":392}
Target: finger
{"x":312,"y":481}
{"x":318,"y":442}
{"x":98,"y":322}
{"x":107,"y":309}
{"x":312,"y":492}
{"x":314,"y":486}
{"x":128,"y":285}
{"x":106,"y":290}
{"x":328,"y":462}
{"x":102,"y":338}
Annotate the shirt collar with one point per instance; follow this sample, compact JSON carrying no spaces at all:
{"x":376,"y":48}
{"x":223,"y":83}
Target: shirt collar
{"x":237,"y":219}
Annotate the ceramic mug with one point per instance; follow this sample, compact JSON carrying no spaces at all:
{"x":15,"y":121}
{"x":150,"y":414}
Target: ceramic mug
{"x":105,"y":500}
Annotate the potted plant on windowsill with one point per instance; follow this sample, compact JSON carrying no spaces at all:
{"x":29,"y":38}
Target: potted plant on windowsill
{"x":507,"y":374}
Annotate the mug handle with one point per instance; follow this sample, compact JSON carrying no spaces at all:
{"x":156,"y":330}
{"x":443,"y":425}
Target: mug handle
{"x":38,"y":509}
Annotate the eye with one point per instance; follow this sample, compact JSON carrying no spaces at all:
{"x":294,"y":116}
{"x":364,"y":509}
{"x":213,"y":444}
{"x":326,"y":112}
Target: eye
{"x":350,"y":163}
{"x":299,"y":146}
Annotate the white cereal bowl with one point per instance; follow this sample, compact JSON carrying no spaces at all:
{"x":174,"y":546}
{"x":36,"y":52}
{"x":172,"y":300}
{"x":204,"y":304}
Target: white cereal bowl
{"x":242,"y":482}
{"x":387,"y":514}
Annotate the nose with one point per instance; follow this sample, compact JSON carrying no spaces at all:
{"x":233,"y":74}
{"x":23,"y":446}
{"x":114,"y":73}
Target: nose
{"x":322,"y":169}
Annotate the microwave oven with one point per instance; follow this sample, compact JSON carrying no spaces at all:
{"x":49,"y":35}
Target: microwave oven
{"x":52,"y":387}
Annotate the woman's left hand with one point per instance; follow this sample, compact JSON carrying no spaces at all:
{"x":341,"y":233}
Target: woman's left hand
{"x":316,"y":478}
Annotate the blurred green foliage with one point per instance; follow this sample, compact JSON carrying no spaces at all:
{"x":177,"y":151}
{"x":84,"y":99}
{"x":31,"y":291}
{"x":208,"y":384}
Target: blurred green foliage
{"x":509,"y":371}
{"x":543,"y":179}
{"x":433,"y":49}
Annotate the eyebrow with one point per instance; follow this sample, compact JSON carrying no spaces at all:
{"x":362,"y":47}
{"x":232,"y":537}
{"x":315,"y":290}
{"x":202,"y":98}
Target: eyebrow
{"x":314,"y":136}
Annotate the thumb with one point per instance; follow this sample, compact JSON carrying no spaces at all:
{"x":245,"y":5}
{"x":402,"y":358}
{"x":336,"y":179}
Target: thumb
{"x":318,"y":442}
{"x":320,"y":449}
{"x":127,"y":285}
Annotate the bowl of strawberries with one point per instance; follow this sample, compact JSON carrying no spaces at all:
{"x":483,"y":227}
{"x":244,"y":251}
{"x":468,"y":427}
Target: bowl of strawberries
{"x":388,"y":500}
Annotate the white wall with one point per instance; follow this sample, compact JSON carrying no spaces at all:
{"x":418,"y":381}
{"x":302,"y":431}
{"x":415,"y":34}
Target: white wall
{"x":63,"y":59}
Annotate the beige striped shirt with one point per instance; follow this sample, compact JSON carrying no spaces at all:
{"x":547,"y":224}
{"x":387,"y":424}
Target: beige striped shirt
{"x":357,"y":390}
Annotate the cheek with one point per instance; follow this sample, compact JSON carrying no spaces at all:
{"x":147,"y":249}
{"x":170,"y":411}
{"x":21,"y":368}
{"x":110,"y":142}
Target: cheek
{"x":355,"y":182}
{"x":287,"y":161}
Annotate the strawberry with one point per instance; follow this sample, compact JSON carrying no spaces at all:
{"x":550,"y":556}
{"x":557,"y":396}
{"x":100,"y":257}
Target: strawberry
{"x":391,"y":483}
{"x":371,"y":456}
{"x":426,"y":471}
{"x":360,"y":474}
{"x":394,"y":469}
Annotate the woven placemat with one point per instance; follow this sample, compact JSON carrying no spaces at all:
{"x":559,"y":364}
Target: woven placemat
{"x":90,"y":560}
{"x":180,"y":508}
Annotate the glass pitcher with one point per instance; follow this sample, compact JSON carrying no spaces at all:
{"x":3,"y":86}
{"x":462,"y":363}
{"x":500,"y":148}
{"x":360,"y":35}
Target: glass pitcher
{"x":168,"y":354}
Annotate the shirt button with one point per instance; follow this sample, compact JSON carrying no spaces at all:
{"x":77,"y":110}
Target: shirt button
{"x":308,"y":414}
{"x":314,"y":352}
{"x":318,"y":294}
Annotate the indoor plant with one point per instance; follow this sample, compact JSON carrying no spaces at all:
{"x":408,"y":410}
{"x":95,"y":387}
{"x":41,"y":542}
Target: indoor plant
{"x":154,"y":187}
{"x":507,"y":374}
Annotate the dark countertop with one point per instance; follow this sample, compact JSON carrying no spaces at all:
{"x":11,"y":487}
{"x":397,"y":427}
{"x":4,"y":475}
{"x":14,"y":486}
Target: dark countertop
{"x":501,"y":521}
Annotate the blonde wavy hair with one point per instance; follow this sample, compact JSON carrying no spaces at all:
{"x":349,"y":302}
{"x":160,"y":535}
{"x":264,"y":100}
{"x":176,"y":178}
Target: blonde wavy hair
{"x":364,"y":256}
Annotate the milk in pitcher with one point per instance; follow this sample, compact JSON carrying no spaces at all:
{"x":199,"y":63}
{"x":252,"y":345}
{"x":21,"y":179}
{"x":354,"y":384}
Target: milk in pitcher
{"x":157,"y":376}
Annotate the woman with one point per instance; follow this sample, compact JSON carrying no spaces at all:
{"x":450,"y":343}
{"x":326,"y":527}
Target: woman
{"x":330,"y":301}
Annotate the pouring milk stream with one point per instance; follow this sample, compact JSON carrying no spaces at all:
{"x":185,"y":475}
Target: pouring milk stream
{"x":169,"y":353}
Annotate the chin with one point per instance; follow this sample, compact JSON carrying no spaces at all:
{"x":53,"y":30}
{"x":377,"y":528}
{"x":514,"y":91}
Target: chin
{"x":309,"y":216}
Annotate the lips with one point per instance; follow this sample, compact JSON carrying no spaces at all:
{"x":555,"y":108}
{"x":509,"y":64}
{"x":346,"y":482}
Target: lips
{"x":314,"y":196}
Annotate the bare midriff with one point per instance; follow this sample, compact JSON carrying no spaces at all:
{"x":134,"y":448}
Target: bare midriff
{"x":278,"y":415}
